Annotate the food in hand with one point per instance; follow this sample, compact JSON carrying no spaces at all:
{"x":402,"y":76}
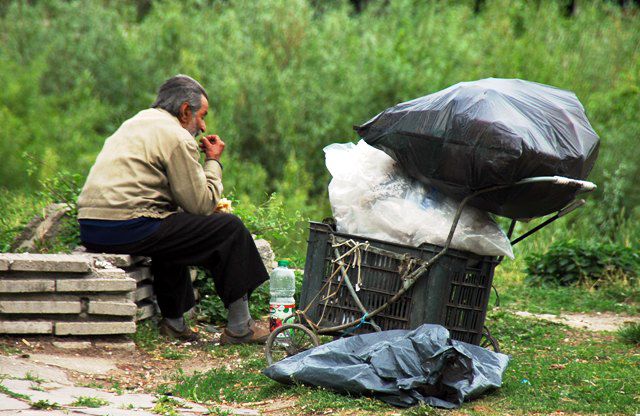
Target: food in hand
{"x":224,"y":205}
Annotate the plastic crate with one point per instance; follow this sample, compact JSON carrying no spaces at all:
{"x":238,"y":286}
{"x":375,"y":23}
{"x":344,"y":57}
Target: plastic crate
{"x":454,"y":292}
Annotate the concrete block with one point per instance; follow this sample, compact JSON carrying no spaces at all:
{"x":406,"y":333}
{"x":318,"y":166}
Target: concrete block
{"x":25,"y":327}
{"x":4,"y":264}
{"x":144,"y":292}
{"x":94,"y":328}
{"x":96,"y":285}
{"x":145,"y":311}
{"x":140,"y":273}
{"x":27,"y":286}
{"x":123,"y":346}
{"x":72,"y":345}
{"x":11,"y":405}
{"x":116,"y":260}
{"x":46,"y":262}
{"x":40,"y":306}
{"x":112,"y":308}
{"x":111,"y":273}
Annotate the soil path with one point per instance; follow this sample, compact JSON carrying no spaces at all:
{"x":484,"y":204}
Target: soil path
{"x":601,"y":321}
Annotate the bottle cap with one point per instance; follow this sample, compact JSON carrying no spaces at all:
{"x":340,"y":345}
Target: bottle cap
{"x":284,"y":263}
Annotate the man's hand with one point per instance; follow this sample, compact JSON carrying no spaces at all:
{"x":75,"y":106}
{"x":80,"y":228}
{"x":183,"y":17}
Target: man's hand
{"x":212,"y":146}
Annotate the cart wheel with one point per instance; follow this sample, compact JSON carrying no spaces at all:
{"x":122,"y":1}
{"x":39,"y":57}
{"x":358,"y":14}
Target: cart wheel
{"x":489,"y":342}
{"x":288,"y":340}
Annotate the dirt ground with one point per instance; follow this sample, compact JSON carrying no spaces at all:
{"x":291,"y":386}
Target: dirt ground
{"x":119,"y":366}
{"x":125,"y":367}
{"x":600,"y":321}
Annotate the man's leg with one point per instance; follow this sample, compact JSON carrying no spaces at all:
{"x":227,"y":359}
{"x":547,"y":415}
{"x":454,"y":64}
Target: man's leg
{"x":173,"y":289}
{"x":219,"y":242}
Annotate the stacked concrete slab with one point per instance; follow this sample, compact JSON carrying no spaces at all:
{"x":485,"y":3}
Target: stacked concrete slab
{"x":74,"y":294}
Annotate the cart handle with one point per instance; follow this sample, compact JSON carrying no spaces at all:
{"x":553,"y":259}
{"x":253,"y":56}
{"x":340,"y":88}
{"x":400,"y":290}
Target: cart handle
{"x":583,"y":186}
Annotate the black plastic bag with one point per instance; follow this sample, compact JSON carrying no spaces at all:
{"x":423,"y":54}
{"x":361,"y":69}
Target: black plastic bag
{"x":490,"y":132}
{"x":400,"y":367}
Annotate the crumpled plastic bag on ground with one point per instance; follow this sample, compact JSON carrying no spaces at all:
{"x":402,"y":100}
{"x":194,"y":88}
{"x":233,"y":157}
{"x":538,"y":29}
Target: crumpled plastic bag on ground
{"x":371,"y":197}
{"x":400,"y":367}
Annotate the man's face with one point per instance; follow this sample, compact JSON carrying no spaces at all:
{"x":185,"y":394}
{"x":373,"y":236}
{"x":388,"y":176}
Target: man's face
{"x":196,"y":124}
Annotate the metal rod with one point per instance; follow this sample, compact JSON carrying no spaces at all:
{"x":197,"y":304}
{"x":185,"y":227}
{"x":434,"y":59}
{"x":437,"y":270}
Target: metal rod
{"x":353,"y":292}
{"x":535,"y":229}
{"x":512,"y":226}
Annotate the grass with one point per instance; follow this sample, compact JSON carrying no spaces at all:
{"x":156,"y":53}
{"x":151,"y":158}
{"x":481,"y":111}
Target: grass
{"x":567,"y":370}
{"x":45,"y":405}
{"x":630,"y":333}
{"x":10,"y":393}
{"x":553,"y":368}
{"x":85,"y":401}
{"x":174,"y":354}
{"x":146,"y":336}
{"x":167,"y":406}
{"x":32,"y":377}
{"x":9,"y":350}
{"x":618,"y":297}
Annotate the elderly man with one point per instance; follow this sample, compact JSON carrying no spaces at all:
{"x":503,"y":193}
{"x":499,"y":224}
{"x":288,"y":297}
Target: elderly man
{"x":147,"y":194}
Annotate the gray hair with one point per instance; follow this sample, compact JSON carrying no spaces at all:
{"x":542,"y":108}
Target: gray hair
{"x":177,"y":90}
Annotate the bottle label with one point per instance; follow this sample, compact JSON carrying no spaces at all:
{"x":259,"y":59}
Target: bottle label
{"x":277,"y":313}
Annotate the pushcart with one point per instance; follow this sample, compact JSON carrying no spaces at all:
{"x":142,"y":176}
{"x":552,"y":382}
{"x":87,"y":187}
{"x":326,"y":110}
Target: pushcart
{"x":354,"y":285}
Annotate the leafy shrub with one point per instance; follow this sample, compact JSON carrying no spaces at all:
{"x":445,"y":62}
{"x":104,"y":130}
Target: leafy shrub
{"x":573,"y":262}
{"x":211,"y":309}
{"x":630,"y":333}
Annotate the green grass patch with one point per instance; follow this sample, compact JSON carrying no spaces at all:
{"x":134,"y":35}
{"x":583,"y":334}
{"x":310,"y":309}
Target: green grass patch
{"x":174,"y":354}
{"x":45,"y":405}
{"x":555,"y":369}
{"x":147,"y":337}
{"x":9,"y":350}
{"x":315,"y":400}
{"x":630,"y":333}
{"x":10,"y":393}
{"x":86,"y":401}
{"x":167,"y":406}
{"x":32,"y":377}
{"x":619,"y":296}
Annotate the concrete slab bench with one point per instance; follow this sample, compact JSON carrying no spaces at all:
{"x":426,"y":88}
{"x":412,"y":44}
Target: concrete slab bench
{"x":74,"y":294}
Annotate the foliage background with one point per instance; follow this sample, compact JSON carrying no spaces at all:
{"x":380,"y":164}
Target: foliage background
{"x":287,"y":78}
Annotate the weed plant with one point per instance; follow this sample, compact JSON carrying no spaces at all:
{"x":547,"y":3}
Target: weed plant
{"x":630,"y":333}
{"x":86,"y":401}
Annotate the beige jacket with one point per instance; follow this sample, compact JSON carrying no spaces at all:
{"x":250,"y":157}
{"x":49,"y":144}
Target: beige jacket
{"x":149,"y":167}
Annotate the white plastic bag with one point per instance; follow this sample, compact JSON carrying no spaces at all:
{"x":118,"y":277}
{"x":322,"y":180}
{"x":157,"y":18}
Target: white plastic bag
{"x":371,"y":197}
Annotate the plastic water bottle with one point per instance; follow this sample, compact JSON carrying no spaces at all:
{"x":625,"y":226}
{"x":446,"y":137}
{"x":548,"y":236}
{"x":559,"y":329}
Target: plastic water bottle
{"x":282,"y":285}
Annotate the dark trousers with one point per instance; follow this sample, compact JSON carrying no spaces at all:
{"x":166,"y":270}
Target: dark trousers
{"x":220,"y":242}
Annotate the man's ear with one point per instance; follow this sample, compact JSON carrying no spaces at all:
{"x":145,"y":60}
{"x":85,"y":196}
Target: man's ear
{"x":185,"y":113}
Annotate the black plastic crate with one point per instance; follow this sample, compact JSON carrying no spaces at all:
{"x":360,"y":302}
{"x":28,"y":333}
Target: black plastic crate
{"x":454,"y":292}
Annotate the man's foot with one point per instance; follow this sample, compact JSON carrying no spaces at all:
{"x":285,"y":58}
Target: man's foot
{"x":186,"y":335}
{"x":257,"y":333}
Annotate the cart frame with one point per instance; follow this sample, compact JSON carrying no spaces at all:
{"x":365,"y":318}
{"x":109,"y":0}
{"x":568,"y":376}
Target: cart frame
{"x":413,"y":270}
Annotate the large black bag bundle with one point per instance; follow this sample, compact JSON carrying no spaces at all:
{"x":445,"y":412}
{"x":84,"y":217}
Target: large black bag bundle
{"x":490,"y":132}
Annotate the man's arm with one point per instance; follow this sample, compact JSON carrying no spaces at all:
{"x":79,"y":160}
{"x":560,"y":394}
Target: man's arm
{"x":195,"y":189}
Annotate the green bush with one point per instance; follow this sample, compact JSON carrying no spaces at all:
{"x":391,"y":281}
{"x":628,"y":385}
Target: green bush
{"x":288,"y":78}
{"x":573,"y":262}
{"x":211,"y":309}
{"x":630,"y":333}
